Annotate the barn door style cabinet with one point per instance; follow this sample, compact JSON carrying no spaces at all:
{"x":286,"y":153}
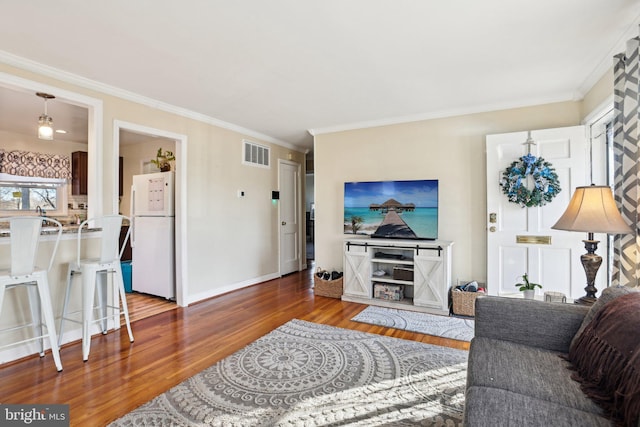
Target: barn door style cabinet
{"x":406,"y":274}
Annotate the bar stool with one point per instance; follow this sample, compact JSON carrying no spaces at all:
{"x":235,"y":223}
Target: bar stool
{"x":94,"y":275}
{"x":25,"y":236}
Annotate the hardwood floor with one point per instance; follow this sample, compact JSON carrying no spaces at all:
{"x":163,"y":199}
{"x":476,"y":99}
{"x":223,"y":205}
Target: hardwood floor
{"x":142,"y":306}
{"x":173,"y":345}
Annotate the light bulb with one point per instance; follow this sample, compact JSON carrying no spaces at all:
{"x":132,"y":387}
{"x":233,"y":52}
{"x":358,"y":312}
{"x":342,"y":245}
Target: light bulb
{"x":45,"y":129}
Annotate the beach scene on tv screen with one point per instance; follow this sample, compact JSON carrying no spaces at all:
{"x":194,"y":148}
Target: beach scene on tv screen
{"x":393,"y":209}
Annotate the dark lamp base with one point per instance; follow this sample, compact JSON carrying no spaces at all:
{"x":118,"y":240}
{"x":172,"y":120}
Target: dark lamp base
{"x":591,"y":263}
{"x":585,"y":300}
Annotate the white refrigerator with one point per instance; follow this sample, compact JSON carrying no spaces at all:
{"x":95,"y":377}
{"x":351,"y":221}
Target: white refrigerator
{"x":153,"y":234}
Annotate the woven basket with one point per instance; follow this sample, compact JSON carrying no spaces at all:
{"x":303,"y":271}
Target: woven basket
{"x":464,"y":303}
{"x":328,"y":288}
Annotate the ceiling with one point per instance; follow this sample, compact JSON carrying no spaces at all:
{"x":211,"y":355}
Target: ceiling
{"x":19,"y":112}
{"x":282,"y":68}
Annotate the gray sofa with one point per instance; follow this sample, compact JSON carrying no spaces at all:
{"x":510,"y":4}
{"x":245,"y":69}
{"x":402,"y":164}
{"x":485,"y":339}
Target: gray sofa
{"x":516,"y":375}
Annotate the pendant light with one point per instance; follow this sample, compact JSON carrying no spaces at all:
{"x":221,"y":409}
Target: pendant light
{"x":45,"y":122}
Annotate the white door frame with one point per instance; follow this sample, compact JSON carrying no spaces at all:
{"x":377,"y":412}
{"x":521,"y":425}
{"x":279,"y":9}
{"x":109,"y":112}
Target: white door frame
{"x":182,"y":288}
{"x":297,"y":209}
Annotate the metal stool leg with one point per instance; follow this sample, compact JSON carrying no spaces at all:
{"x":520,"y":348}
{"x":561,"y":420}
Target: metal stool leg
{"x":88,"y":290}
{"x":101,"y":285}
{"x":36,"y":314}
{"x":45,"y":302}
{"x":65,"y":306}
{"x":119,"y":282}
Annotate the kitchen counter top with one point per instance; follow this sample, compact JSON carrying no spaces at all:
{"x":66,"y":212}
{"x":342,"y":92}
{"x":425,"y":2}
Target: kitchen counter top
{"x":48,"y":230}
{"x":67,"y":227}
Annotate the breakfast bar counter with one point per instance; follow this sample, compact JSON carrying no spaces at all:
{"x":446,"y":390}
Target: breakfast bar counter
{"x":16,"y":306}
{"x":71,"y":229}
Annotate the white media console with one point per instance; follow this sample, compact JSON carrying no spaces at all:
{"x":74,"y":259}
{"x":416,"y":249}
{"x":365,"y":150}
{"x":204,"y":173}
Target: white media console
{"x":368,"y":262}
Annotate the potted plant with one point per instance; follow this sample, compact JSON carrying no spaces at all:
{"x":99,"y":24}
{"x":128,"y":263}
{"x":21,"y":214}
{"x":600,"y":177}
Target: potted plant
{"x":162,"y":160}
{"x":527,"y":287}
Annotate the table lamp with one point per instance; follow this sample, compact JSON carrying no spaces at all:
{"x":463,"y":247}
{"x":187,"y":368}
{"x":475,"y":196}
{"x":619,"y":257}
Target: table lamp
{"x":592,"y":210}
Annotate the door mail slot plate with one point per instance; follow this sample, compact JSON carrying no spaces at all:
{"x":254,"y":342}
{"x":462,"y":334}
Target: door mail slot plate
{"x":534,"y":240}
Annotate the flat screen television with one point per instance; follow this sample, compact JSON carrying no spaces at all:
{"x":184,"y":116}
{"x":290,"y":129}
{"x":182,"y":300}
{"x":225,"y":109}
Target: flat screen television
{"x":392,"y":209}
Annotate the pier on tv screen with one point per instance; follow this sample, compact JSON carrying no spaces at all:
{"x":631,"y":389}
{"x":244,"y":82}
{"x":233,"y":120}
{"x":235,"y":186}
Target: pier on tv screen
{"x":392,"y":209}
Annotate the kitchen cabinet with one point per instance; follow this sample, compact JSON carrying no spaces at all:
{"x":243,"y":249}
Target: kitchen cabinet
{"x":80,"y":173}
{"x":126,"y":254}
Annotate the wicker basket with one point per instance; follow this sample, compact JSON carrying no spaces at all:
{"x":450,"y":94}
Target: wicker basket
{"x":403,"y":273}
{"x":328,"y":288}
{"x":464,"y":303}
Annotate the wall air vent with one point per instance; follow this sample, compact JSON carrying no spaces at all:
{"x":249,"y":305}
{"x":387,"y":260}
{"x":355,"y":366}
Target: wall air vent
{"x":255,"y":154}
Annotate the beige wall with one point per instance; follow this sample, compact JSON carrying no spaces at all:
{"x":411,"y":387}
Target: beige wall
{"x":230,"y":241}
{"x":601,"y":92}
{"x":451,"y":150}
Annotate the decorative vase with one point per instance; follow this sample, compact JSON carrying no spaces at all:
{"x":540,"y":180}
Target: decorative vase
{"x":165,"y":167}
{"x":529,"y":293}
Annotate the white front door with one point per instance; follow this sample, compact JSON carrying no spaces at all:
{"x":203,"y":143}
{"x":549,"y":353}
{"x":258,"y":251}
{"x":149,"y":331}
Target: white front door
{"x":520,"y":240}
{"x":289,"y":178}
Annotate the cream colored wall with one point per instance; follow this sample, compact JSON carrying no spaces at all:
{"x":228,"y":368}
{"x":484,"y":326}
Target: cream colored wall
{"x":601,"y":92}
{"x":230,"y":241}
{"x":451,"y":150}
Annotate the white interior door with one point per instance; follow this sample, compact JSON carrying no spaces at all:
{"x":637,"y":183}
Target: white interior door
{"x":289,"y":179}
{"x":520,"y":240}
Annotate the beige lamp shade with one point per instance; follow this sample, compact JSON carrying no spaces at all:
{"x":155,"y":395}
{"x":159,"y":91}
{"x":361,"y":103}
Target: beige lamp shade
{"x":593,"y":210}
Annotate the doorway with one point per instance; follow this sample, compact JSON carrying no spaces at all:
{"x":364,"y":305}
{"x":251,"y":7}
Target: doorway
{"x":138,"y":145}
{"x":310,"y":209}
{"x":520,"y":239}
{"x":289,"y":216}
{"x":310,"y":212}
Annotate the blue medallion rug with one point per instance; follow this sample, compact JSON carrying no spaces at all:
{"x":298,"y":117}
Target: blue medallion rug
{"x":440,"y":326}
{"x":308,"y":374}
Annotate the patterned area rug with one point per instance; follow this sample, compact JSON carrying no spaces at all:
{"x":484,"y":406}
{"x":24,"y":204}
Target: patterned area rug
{"x":307,"y":374}
{"x":430,"y":324}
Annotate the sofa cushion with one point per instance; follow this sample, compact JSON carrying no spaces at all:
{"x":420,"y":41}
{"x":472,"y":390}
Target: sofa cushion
{"x":502,"y":318}
{"x":607,"y":295}
{"x":530,"y":371}
{"x":606,"y":356}
{"x":490,"y":407}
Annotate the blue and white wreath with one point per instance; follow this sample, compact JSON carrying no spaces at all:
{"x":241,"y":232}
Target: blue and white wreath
{"x":545,"y":182}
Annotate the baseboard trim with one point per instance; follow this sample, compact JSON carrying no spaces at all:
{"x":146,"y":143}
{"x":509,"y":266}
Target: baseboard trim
{"x":228,"y":288}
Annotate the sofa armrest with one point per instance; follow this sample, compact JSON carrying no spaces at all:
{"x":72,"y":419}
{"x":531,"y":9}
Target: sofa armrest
{"x":546,"y":325}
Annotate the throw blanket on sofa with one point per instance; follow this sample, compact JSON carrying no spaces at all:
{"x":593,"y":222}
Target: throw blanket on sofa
{"x":606,"y":356}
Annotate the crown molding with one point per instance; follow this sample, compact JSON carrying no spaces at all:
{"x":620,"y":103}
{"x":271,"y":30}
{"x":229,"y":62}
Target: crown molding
{"x":570,"y":96}
{"x":67,"y":77}
{"x":607,"y":61}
